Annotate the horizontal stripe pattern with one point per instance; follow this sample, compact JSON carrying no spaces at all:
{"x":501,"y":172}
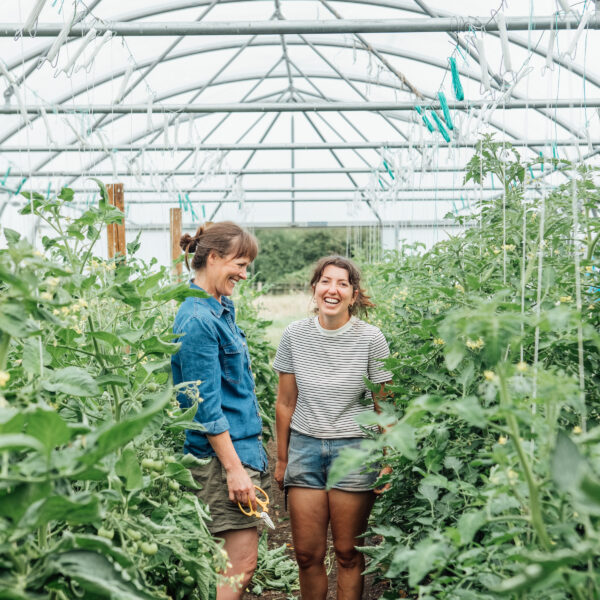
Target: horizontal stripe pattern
{"x":329,"y":372}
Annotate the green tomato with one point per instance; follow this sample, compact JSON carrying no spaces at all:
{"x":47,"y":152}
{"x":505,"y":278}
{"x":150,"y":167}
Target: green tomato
{"x":189,"y":580}
{"x":174,"y":485}
{"x":134,"y":535}
{"x":147,"y":463}
{"x":109,"y":534}
{"x":158,"y":465}
{"x":149,"y":548}
{"x":152,"y":386}
{"x":173,"y":499}
{"x":170,"y":459}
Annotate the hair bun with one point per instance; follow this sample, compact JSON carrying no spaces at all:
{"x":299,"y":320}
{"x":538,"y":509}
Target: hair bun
{"x":202,"y":229}
{"x":188,"y":243}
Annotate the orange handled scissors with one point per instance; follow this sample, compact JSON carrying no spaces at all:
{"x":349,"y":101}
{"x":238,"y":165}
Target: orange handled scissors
{"x":263,"y":504}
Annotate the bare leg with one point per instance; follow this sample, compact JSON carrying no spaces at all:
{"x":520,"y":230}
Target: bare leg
{"x":241,"y":546}
{"x":349,"y":513}
{"x":309,"y":515}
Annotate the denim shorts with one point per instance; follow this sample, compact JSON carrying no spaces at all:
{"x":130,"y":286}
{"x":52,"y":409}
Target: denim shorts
{"x":310,"y":460}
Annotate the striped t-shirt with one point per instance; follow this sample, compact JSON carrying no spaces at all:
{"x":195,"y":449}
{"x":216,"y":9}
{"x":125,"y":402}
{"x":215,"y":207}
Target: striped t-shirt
{"x":329,"y":366}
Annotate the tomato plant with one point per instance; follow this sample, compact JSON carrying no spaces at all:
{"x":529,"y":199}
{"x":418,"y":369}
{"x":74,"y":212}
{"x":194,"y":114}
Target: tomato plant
{"x":96,"y":499}
{"x":493,"y":430}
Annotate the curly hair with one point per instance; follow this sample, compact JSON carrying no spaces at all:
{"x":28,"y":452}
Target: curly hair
{"x":362,"y":302}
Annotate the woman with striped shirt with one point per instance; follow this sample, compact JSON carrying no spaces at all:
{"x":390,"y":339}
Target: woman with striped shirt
{"x":321,"y":362}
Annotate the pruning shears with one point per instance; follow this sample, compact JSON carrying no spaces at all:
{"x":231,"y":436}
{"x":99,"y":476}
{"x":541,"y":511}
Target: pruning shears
{"x":263,"y":504}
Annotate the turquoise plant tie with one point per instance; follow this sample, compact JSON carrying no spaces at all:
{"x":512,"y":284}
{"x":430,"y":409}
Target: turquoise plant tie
{"x":425,"y":119}
{"x":456,"y":84}
{"x":446,"y":110}
{"x":440,"y":126}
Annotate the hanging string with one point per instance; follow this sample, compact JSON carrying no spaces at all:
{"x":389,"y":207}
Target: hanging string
{"x":538,"y":304}
{"x":572,"y":51}
{"x":32,"y":19}
{"x":60,"y":40}
{"x":504,"y":42}
{"x":576,"y":251}
{"x":485,"y":76}
{"x":69,"y":68}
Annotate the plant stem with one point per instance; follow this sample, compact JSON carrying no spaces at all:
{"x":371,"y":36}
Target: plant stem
{"x":113,"y":387}
{"x":4,"y":342}
{"x":592,"y":247}
{"x":535,"y":509}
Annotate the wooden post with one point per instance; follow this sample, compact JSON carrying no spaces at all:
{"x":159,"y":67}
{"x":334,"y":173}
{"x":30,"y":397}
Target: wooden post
{"x":116,"y":232}
{"x":175,"y":228}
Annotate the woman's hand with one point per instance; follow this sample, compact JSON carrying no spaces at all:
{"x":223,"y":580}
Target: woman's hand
{"x":240,"y":486}
{"x":280,"y":468}
{"x":387,"y":470}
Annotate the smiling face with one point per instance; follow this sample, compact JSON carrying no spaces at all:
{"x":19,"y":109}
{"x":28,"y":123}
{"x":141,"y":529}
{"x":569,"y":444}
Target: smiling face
{"x":334,"y":294}
{"x":224,"y":272}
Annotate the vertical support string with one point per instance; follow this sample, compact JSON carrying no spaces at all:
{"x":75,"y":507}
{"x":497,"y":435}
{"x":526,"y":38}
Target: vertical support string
{"x":576,"y":251}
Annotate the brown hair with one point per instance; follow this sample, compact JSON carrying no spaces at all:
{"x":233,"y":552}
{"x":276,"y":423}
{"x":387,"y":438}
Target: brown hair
{"x":362,"y":302}
{"x":223,"y":238}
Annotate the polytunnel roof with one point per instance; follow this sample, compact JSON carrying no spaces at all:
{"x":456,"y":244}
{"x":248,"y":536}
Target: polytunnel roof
{"x":289,"y":111}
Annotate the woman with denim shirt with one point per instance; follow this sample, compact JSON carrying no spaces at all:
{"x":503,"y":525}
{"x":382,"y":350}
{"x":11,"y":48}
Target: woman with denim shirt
{"x":213,"y":367}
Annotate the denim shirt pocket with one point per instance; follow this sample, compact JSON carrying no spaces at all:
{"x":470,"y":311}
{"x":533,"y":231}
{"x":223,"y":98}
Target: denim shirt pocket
{"x":232,"y":363}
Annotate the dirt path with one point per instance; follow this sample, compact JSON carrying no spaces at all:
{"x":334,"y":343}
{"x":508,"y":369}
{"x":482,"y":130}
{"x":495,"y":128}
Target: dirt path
{"x":283,"y":535}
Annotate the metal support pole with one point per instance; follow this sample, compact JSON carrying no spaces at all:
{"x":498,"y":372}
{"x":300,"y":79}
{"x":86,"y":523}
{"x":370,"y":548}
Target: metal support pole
{"x":374,"y":145}
{"x":249,"y":107}
{"x":429,"y":25}
{"x":293,"y":165}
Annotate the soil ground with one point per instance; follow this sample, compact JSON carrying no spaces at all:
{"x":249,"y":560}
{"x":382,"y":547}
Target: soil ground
{"x":283,"y":535}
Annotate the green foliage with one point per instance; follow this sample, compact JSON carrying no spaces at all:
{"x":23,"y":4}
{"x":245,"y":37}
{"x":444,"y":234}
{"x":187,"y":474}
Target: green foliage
{"x":287,"y":256}
{"x":96,"y":500}
{"x":261,"y":353}
{"x":498,"y":493}
{"x":275,"y":570}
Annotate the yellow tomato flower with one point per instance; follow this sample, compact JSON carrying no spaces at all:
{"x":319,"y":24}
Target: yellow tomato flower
{"x":508,"y":247}
{"x":475,"y":344}
{"x":489,"y":375}
{"x":459,"y":287}
{"x":4,"y":377}
{"x":47,"y":296}
{"x":438,"y":342}
{"x":577,"y":430}
{"x":512,"y":475}
{"x":64,"y":310}
{"x":522,"y":366}
{"x":565,"y":298}
{"x":52,"y":282}
{"x":502,"y":440}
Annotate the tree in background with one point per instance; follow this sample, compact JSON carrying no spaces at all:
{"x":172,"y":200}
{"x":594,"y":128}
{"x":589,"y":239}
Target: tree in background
{"x":287,"y":255}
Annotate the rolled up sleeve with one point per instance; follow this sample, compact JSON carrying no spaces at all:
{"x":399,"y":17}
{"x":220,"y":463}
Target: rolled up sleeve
{"x":201,"y":371}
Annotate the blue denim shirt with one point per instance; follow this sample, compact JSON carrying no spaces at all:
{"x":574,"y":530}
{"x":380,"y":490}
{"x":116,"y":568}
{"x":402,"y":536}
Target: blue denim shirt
{"x":214,"y":358}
